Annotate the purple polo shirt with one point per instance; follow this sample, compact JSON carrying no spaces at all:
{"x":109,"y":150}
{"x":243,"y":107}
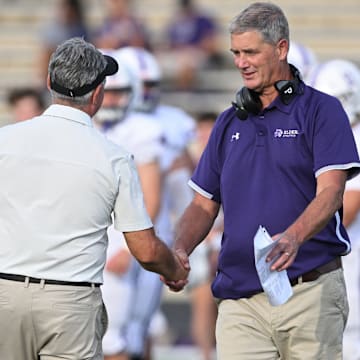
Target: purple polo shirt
{"x":263,"y":171}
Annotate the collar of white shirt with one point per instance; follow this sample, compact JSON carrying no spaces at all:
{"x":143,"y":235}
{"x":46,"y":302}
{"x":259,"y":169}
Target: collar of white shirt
{"x":69,"y":113}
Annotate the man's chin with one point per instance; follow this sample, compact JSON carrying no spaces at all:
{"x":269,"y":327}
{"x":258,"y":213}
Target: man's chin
{"x":251,"y":85}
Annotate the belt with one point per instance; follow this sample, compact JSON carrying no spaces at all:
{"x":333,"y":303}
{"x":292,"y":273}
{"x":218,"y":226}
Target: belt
{"x":316,"y":273}
{"x":29,"y":279}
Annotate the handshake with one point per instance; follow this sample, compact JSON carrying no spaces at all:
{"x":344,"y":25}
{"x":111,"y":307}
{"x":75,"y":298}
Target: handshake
{"x":177,"y":280}
{"x":154,"y":255}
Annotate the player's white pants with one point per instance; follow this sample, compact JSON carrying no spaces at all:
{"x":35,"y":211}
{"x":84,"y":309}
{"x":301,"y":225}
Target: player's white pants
{"x":117,"y":294}
{"x":145,"y":301}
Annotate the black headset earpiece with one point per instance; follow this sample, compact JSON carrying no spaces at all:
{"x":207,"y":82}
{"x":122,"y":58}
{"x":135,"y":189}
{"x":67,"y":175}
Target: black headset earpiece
{"x":286,"y":89}
{"x":248,"y":101}
{"x":289,"y":88}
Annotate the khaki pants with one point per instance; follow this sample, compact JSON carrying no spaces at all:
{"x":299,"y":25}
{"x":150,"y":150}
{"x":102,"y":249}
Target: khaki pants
{"x":309,"y":326}
{"x":47,"y":322}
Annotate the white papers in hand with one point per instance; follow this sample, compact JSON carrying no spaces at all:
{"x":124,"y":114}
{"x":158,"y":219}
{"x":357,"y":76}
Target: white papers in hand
{"x":276,"y":284}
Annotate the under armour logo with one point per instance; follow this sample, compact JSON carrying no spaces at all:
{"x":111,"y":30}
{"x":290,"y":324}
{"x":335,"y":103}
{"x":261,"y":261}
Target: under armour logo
{"x":235,"y":136}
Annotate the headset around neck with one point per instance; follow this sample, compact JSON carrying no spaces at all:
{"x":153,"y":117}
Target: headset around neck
{"x":248,"y":101}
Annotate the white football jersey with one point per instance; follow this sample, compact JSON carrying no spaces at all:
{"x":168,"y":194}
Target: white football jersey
{"x":138,"y":135}
{"x":178,"y":129}
{"x":142,"y":138}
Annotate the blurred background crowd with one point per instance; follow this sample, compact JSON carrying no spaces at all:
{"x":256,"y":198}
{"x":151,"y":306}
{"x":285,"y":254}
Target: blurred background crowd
{"x":189,"y":38}
{"x":190,"y":41}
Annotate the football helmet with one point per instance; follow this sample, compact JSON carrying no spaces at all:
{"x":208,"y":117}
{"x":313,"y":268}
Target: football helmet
{"x":303,"y":58}
{"x":340,"y":78}
{"x":120,"y":93}
{"x":147,"y":69}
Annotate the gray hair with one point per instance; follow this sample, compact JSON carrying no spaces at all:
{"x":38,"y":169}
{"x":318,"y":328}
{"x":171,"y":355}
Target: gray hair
{"x":73,"y":64}
{"x":266,"y":18}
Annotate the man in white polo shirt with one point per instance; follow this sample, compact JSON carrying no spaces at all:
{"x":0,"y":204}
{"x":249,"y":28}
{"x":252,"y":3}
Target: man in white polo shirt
{"x":61,"y":185}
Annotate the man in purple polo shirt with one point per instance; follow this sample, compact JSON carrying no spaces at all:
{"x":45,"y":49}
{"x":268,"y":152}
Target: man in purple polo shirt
{"x":279,"y":157}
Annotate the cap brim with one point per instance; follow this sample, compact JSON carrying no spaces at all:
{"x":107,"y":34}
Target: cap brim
{"x":111,"y":67}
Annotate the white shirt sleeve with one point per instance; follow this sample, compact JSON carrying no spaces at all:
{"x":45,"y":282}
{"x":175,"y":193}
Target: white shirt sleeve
{"x":129,"y":211}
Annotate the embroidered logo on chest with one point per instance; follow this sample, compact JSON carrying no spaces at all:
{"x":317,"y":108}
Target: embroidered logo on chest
{"x":286,"y":133}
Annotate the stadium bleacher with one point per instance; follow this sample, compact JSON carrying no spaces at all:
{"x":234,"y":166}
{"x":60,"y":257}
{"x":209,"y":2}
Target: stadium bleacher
{"x":331,"y":28}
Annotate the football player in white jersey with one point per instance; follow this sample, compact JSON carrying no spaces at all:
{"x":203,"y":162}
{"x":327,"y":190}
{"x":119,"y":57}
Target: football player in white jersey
{"x":341,"y":78}
{"x":166,"y":132}
{"x":176,"y":166}
{"x":143,"y":139}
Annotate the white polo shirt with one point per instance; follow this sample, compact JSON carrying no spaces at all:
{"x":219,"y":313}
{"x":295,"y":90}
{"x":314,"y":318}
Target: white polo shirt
{"x":60,"y":182}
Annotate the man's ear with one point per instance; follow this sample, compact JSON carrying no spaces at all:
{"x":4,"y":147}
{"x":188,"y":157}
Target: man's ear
{"x":48,"y":81}
{"x":97,"y":95}
{"x":283,"y":48}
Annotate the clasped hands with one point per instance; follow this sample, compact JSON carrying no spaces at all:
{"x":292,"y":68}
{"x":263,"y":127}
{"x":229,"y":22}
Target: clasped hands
{"x":182,"y":272}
